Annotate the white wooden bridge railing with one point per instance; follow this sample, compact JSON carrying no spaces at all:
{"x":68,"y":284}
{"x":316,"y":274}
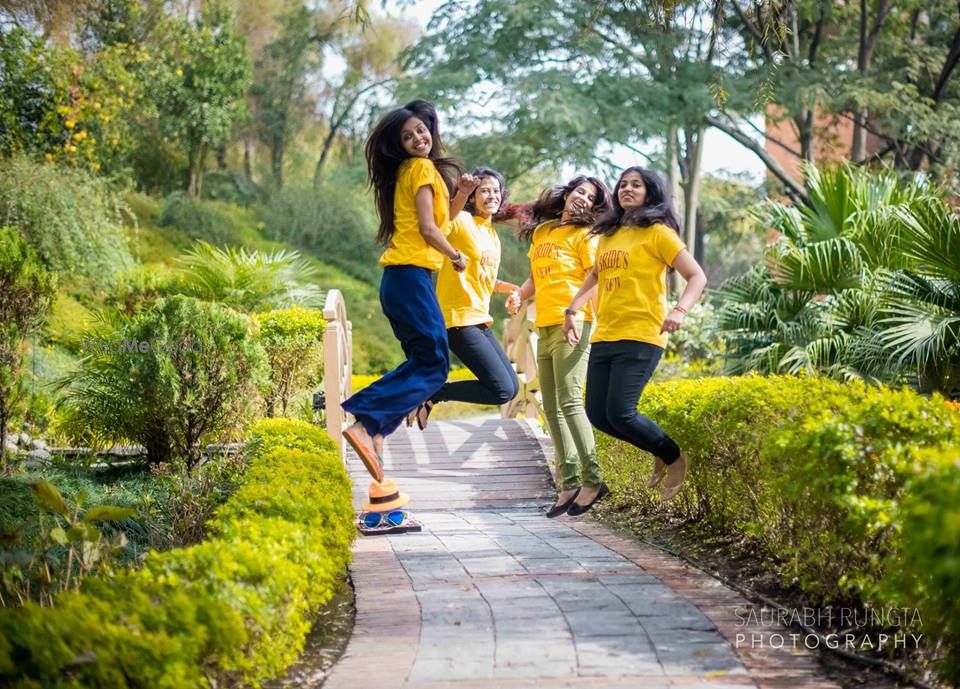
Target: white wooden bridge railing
{"x":519,"y":342}
{"x":337,"y":365}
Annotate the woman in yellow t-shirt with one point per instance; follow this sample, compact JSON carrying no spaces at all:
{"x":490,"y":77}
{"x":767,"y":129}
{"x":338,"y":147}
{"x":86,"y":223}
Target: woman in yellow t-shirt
{"x":465,"y":302}
{"x":638,"y":243}
{"x":412,"y":184}
{"x":561,"y":254}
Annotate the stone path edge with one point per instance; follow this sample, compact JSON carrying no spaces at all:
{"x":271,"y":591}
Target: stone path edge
{"x":386,"y":632}
{"x":768,"y":667}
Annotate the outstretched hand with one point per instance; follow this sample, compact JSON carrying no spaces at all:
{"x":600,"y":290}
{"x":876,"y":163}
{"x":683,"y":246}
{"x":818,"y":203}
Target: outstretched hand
{"x":513,"y":302}
{"x":468,"y":183}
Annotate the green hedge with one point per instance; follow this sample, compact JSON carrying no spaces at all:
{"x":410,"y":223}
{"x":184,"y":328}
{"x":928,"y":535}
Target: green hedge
{"x":838,"y":483}
{"x":233,"y":609}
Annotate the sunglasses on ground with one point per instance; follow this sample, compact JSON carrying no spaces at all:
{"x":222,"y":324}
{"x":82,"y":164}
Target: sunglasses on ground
{"x":372,"y":520}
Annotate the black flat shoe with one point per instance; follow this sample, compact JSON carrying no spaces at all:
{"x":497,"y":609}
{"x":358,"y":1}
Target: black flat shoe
{"x":576,"y":510}
{"x":561,"y":507}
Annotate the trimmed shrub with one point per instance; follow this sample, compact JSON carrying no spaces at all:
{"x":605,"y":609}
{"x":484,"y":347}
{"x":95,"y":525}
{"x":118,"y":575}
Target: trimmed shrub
{"x":927,"y":572}
{"x":819,"y":473}
{"x":70,"y":218}
{"x":234,"y":609}
{"x":180,"y":374}
{"x":293,"y":340}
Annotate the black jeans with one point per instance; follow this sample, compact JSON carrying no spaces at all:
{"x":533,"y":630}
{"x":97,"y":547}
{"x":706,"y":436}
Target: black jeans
{"x":479,"y":350}
{"x":616,"y":375}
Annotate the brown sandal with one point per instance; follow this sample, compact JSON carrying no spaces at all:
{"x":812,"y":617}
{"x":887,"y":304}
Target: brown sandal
{"x":371,"y":460}
{"x":423,"y":414}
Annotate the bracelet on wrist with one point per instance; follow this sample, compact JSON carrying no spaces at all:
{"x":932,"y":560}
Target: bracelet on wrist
{"x":570,"y":312}
{"x":680,"y":309}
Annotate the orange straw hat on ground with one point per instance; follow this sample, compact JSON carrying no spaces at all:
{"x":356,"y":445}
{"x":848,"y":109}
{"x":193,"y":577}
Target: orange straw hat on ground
{"x":385,"y":496}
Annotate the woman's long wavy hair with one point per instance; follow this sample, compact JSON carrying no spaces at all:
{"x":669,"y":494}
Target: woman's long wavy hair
{"x":656,"y":207}
{"x":385,"y":153}
{"x":471,"y":206}
{"x":551,"y":202}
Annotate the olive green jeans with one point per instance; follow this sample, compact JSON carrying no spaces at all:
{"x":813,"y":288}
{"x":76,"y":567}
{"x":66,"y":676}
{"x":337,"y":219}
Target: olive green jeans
{"x":563,"y":372}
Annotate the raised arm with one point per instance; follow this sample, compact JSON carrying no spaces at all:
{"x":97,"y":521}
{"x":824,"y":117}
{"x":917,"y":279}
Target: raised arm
{"x":465,"y":187}
{"x":690,"y":270}
{"x":432,"y":234}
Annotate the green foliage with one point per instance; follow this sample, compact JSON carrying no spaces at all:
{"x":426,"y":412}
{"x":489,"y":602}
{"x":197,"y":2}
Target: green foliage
{"x":248,"y":280}
{"x":293,"y":340}
{"x":71,"y":219}
{"x":698,"y":338}
{"x":231,"y":187}
{"x":733,"y":239}
{"x":200,"y":220}
{"x":863,"y":283}
{"x":926,"y":572}
{"x":335,"y":222}
{"x":69,"y":107}
{"x":818,"y":473}
{"x":26,"y":291}
{"x":181,"y":373}
{"x":200,"y":90}
{"x":172,"y":508}
{"x":64,"y":533}
{"x":233,"y":609}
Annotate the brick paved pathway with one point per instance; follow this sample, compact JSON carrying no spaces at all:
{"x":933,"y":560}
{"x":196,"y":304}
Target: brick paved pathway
{"x":491,"y":595}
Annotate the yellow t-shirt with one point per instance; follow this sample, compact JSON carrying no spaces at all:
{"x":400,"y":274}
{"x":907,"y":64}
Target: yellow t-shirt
{"x":465,"y":297}
{"x":407,"y":247}
{"x":560,"y":258}
{"x":631,"y":283}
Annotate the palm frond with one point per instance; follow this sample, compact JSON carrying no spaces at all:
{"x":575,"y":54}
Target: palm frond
{"x":825,"y":266}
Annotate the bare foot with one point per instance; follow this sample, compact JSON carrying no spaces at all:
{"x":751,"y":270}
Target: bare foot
{"x":378,"y":444}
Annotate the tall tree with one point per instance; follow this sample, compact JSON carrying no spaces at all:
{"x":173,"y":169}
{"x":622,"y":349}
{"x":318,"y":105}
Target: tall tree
{"x":369,"y":53}
{"x":574,"y":82}
{"x":201,"y":92}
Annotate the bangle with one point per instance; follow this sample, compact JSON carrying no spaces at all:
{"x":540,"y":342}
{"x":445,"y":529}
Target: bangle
{"x":456,"y":259}
{"x":570,"y":312}
{"x":679,"y":308}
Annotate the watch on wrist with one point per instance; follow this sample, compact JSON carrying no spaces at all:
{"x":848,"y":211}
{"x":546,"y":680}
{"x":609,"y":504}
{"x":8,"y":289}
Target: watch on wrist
{"x":570,"y":312}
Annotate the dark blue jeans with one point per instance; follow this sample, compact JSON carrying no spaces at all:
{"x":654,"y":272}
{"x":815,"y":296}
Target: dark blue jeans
{"x":479,"y":351}
{"x":616,"y":375}
{"x":409,"y":301}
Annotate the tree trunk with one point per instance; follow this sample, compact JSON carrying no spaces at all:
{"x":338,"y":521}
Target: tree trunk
{"x":691,"y":198}
{"x":700,"y":248}
{"x":327,"y":145}
{"x":222,"y":157}
{"x":276,"y":160}
{"x":3,"y":433}
{"x":673,"y":184}
{"x":249,"y":151}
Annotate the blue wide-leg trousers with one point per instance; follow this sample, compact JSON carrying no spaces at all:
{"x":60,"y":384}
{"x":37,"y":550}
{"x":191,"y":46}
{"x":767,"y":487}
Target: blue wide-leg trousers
{"x":409,"y":301}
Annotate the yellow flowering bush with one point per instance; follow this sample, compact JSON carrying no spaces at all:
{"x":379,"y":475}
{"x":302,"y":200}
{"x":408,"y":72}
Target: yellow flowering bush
{"x":822,"y":475}
{"x":232,"y":610}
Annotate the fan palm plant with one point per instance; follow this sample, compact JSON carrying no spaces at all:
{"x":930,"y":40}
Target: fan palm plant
{"x":919,"y":324}
{"x":248,"y":280}
{"x":863,"y":282}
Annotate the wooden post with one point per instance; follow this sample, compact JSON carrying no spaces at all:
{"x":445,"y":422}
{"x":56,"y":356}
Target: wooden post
{"x":337,"y":366}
